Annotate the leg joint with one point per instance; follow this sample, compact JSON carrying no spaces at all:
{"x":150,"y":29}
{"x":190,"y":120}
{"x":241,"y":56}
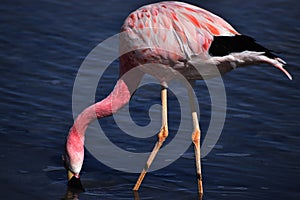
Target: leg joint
{"x":196,"y":136}
{"x":163,"y":134}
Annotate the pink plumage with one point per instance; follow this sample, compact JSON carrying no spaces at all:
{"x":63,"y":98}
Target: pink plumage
{"x":183,"y":39}
{"x":169,"y":33}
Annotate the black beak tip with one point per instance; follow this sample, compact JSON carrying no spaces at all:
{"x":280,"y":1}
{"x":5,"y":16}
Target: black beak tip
{"x":75,"y":184}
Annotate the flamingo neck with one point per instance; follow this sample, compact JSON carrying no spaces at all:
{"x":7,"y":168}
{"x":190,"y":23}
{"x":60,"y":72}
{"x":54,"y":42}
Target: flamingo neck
{"x":75,"y":140}
{"x":111,"y":104}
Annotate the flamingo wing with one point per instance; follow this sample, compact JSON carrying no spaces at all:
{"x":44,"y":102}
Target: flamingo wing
{"x":176,"y":27}
{"x":181,"y":36}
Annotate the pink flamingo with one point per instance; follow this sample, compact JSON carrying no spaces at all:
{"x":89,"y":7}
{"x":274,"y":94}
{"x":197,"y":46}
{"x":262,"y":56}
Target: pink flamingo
{"x":198,"y":40}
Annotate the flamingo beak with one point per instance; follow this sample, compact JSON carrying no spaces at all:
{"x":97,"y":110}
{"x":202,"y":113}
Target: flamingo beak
{"x":70,"y":175}
{"x":74,"y":181}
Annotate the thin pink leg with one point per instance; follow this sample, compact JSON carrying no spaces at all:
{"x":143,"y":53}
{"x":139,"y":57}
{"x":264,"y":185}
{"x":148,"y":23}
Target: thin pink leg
{"x":162,"y":135}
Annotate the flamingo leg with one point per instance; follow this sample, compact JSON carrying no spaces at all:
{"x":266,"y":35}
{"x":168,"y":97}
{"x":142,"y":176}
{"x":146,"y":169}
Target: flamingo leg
{"x":196,"y":140}
{"x":162,"y":135}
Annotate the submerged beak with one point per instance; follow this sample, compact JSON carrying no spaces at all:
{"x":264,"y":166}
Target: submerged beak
{"x":74,"y":181}
{"x":280,"y":66}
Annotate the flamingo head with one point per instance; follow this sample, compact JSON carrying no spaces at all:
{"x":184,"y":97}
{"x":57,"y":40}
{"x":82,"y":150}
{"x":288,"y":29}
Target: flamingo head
{"x":73,"y":160}
{"x":74,"y":181}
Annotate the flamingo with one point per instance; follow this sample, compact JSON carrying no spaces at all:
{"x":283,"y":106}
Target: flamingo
{"x":194,"y":40}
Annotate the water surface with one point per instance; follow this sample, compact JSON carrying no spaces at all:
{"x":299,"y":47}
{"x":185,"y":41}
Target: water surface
{"x":42,"y":46}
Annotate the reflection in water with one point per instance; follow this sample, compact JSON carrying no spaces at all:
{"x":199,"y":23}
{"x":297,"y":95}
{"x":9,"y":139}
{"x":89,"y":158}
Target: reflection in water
{"x":72,"y":194}
{"x":136,"y":195}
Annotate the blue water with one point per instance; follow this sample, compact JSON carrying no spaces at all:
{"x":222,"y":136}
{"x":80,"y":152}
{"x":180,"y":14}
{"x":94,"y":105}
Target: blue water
{"x":42,"y":46}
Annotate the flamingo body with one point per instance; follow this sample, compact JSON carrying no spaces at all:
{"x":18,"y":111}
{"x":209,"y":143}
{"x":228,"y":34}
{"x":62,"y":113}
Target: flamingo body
{"x":170,"y":33}
{"x":181,"y":37}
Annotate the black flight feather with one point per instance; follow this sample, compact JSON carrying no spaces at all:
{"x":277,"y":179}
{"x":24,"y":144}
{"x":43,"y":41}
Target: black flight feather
{"x":224,"y":45}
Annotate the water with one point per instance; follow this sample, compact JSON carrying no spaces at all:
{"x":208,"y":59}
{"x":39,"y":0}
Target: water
{"x":42,"y":46}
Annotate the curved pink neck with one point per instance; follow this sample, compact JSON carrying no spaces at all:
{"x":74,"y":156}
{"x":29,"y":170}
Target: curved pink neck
{"x":111,"y":104}
{"x":75,"y":140}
